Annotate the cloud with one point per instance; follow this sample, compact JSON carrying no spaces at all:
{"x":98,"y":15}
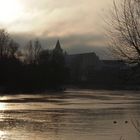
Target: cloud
{"x":72,"y":44}
{"x":77,"y":23}
{"x":60,"y":17}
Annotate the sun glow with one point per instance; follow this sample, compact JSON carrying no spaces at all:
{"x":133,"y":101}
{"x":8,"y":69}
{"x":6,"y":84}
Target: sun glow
{"x":2,"y":106}
{"x":10,"y":10}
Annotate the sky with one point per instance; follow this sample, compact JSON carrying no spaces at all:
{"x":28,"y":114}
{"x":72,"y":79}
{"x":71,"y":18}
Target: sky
{"x":78,"y":24}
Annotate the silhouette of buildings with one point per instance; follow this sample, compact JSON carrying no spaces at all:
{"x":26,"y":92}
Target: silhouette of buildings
{"x":114,"y":64}
{"x":58,"y":48}
{"x":81,"y":65}
{"x":36,"y":68}
{"x":87,"y":67}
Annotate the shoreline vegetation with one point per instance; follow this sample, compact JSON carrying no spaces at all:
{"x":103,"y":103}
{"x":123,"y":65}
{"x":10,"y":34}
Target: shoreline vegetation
{"x":4,"y":91}
{"x":34,"y":69}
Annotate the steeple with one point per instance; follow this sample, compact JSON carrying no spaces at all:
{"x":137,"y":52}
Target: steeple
{"x":58,"y":47}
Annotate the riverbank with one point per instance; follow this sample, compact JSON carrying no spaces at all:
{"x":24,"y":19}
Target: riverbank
{"x":104,"y":87}
{"x":10,"y":91}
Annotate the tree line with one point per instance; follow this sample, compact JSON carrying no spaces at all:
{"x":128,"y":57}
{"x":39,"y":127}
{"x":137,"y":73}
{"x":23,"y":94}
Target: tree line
{"x":31,"y":68}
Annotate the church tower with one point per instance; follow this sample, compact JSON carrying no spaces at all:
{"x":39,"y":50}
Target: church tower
{"x":58,"y":47}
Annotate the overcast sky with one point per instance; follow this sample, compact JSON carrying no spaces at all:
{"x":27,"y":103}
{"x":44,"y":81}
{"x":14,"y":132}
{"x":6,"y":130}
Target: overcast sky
{"x":79,"y":24}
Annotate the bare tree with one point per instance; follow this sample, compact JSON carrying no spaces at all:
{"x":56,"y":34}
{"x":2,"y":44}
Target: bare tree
{"x":37,"y":49}
{"x":125,"y":30}
{"x":12,"y":48}
{"x":8,"y":47}
{"x":29,"y":52}
{"x":32,"y":51}
{"x":4,"y":41}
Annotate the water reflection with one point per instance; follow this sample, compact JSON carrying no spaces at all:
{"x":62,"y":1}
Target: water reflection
{"x":82,"y":115}
{"x":2,"y":106}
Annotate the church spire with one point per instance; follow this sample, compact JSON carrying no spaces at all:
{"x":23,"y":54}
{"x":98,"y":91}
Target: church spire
{"x":58,"y":47}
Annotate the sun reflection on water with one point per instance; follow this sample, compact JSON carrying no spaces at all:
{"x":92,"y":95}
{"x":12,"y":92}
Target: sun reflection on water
{"x":2,"y":135}
{"x":2,"y":106}
{"x":2,"y":109}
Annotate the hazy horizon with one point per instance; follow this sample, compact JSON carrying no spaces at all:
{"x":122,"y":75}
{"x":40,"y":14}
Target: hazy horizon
{"x":78,"y":24}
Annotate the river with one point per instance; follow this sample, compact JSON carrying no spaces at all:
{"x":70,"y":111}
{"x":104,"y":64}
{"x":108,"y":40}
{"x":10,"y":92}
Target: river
{"x":71,"y":115}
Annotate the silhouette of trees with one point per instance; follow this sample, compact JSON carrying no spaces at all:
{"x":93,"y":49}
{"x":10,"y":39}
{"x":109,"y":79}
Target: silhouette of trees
{"x":32,"y":51}
{"x":8,"y":47}
{"x":37,"y":49}
{"x":57,"y":65}
{"x":44,"y":57}
{"x":36,"y":68}
{"x":12,"y":48}
{"x":4,"y":39}
{"x":125,"y":30}
{"x":41,"y":69}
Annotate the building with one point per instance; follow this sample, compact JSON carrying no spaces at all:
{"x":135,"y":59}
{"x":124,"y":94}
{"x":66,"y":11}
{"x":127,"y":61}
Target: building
{"x":58,"y":48}
{"x":88,"y":67}
{"x":81,"y":65}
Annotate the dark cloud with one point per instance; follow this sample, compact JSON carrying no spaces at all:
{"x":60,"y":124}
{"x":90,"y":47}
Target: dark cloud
{"x":72,"y":44}
{"x":77,"y":23}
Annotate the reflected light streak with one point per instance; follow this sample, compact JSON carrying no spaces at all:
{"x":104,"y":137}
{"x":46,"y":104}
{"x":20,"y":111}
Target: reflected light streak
{"x":2,"y":135}
{"x":2,"y":106}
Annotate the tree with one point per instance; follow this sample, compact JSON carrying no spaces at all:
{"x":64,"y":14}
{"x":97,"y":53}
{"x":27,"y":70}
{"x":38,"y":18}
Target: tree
{"x":58,"y":69}
{"x":125,"y":30}
{"x":37,"y":49}
{"x":29,"y":52}
{"x":12,"y":48}
{"x":8,"y":47}
{"x":44,"y":57}
{"x":4,"y":40}
{"x":33,"y":50}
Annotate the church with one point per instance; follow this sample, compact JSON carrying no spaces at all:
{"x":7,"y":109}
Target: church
{"x":87,"y":66}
